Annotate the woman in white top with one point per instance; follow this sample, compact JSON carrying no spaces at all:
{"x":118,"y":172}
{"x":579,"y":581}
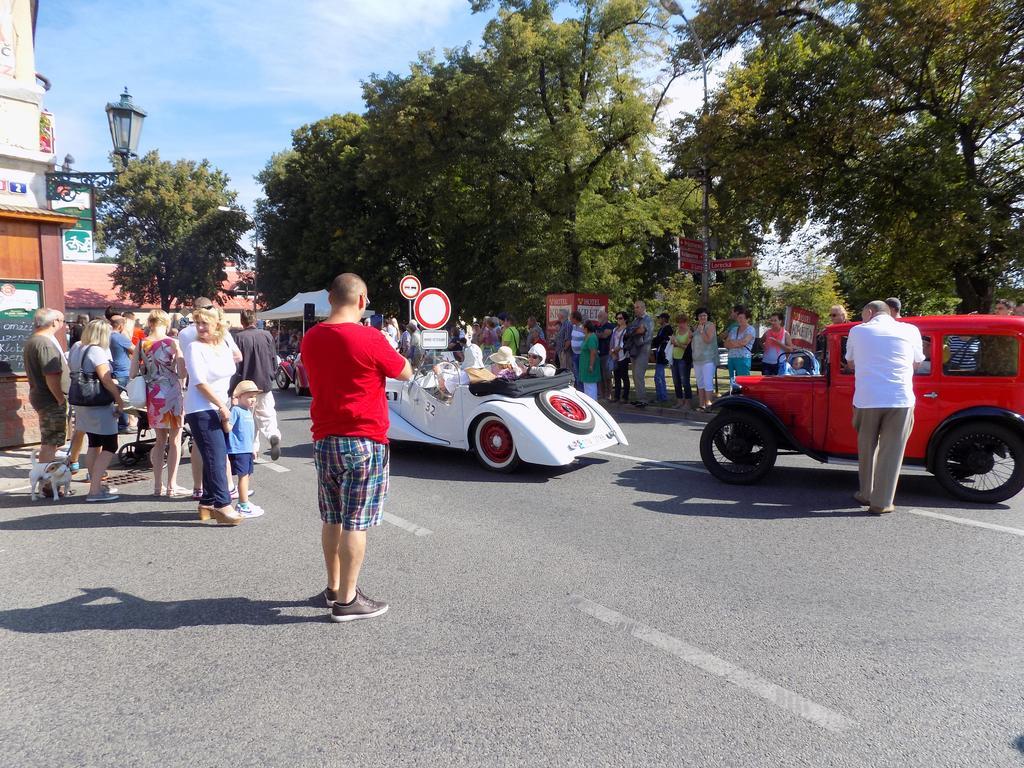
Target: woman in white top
{"x":211,"y":364}
{"x":91,"y":357}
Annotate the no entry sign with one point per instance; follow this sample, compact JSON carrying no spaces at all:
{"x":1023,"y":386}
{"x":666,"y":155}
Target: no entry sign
{"x":432,"y":308}
{"x":409,"y":286}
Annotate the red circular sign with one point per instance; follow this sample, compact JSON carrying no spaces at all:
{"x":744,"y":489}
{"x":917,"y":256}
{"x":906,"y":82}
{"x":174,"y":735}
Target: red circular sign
{"x":409,"y":286}
{"x":432,"y":308}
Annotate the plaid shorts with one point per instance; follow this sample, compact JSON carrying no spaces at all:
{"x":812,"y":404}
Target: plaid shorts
{"x":353,"y":480}
{"x":53,"y":424}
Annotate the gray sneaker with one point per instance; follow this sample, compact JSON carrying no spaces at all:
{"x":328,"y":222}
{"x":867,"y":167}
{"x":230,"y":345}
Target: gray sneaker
{"x":104,"y":495}
{"x":275,"y":447}
{"x":360,"y":608}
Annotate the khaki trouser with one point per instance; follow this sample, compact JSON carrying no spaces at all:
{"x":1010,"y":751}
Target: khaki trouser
{"x":639,"y":376}
{"x":882,"y":435}
{"x":265,"y":416}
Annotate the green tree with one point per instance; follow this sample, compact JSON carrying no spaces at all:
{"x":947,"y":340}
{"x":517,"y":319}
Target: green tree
{"x":896,"y":125}
{"x":172,"y":242}
{"x":499,"y":175}
{"x":316,"y":219}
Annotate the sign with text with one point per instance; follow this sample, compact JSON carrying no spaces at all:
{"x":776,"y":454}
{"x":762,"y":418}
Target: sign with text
{"x":434,"y":339}
{"x":718,"y":265}
{"x":588,"y":304}
{"x":19,"y":299}
{"x":802,"y":325}
{"x":691,"y":254}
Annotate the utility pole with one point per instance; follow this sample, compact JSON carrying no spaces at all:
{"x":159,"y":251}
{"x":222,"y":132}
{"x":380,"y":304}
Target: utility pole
{"x":705,"y":274}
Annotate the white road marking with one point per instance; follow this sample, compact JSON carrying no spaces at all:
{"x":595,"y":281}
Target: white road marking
{"x":275,"y":467}
{"x":19,"y":489}
{"x":401,"y":522}
{"x":770,"y":504}
{"x":775,"y":694}
{"x":695,"y":500}
{"x":967,"y":521}
{"x":642,"y":460}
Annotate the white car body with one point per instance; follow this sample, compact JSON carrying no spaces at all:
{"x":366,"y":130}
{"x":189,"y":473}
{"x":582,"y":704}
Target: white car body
{"x":419,"y":415}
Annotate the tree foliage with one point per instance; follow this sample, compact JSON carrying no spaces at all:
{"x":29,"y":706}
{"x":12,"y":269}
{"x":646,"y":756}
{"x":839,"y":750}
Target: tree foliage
{"x":898,"y":125}
{"x":172,"y":242}
{"x":497,"y":175}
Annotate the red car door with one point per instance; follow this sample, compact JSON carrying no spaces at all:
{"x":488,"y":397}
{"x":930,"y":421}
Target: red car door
{"x":840,"y":436}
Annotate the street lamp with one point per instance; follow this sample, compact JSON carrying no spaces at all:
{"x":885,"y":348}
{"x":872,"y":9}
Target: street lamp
{"x":125,"y":126}
{"x":255,"y":252}
{"x":672,"y":7}
{"x":125,"y":121}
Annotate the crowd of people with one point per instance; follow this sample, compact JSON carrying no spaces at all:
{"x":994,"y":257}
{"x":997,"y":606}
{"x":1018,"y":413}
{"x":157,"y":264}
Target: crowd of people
{"x":193,"y":374}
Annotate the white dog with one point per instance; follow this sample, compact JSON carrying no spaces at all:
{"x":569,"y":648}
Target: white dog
{"x":57,"y":473}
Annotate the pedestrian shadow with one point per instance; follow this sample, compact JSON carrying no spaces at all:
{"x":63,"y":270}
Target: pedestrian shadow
{"x":787,"y":492}
{"x":300,"y":451}
{"x":704,"y":496}
{"x":106,"y":608}
{"x":48,"y":515}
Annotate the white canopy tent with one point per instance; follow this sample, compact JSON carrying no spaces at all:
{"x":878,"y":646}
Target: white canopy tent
{"x":292,"y":309}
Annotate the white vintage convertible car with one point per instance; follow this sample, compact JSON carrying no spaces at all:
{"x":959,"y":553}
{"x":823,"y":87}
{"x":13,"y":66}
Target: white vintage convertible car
{"x":533,"y":420}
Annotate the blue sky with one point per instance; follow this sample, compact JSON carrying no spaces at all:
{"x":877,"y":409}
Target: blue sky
{"x":229,"y":80}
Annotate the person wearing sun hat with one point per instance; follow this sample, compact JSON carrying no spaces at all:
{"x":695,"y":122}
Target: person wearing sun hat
{"x":241,"y":439}
{"x":504,"y":364}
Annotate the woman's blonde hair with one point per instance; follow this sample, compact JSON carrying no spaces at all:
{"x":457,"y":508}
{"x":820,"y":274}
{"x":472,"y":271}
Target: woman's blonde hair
{"x":97,"y":332}
{"x":158,"y":317}
{"x":215,"y":319}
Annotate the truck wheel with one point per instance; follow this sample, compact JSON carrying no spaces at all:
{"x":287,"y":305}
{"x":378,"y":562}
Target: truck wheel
{"x":494,"y":446}
{"x":981,"y":462}
{"x":738,"y":447}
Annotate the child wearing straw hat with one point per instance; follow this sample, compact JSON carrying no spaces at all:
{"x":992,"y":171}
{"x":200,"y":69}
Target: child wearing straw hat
{"x":241,"y":440}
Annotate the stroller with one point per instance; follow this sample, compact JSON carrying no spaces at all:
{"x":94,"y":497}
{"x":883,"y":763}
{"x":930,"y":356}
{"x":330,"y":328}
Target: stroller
{"x":799,"y":362}
{"x":130,"y":454}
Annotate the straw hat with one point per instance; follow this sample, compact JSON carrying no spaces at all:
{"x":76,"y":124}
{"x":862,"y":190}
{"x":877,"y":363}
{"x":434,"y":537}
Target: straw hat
{"x":504,"y":356}
{"x":244,"y":387}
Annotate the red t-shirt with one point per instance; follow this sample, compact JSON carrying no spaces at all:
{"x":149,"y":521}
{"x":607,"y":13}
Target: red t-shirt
{"x":347,"y":364}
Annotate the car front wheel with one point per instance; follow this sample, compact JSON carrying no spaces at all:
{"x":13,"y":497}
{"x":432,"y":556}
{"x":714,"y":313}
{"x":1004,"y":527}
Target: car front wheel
{"x":495,"y":448}
{"x":283,"y":382}
{"x":738,"y":447}
{"x":981,"y":462}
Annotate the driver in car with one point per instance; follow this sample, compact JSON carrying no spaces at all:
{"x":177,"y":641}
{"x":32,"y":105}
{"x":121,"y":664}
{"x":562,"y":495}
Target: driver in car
{"x":537,"y":367}
{"x":448,"y":378}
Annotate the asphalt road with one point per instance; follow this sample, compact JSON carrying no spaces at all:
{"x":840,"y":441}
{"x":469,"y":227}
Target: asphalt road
{"x":623,"y":611}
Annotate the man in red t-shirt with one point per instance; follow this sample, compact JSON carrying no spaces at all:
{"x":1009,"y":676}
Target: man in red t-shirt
{"x":347,"y":363}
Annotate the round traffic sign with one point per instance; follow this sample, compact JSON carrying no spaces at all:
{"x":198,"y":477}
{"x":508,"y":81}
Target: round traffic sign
{"x":409,"y":286}
{"x":432,"y":308}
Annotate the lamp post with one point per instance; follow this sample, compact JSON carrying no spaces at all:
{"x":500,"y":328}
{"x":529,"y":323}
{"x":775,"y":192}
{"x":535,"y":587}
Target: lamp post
{"x":125,"y":121}
{"x":672,"y":7}
{"x":255,"y":252}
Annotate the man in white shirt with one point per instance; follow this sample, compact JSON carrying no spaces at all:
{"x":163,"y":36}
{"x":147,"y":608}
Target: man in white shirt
{"x":884,"y":354}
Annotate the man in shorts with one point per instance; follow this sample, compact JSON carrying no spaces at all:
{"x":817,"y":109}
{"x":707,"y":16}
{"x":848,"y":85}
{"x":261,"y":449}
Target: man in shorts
{"x":48,"y":380}
{"x":347,"y":364}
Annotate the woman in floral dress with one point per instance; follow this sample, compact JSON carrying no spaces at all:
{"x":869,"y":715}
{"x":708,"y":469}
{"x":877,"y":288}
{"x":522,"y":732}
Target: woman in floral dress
{"x":163,"y":366}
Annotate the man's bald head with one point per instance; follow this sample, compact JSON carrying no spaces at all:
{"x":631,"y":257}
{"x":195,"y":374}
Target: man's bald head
{"x":346,"y":289}
{"x":873,"y":308}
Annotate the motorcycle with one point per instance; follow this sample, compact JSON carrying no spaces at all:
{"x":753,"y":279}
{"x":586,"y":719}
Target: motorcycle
{"x":289,"y":372}
{"x":285,"y":375}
